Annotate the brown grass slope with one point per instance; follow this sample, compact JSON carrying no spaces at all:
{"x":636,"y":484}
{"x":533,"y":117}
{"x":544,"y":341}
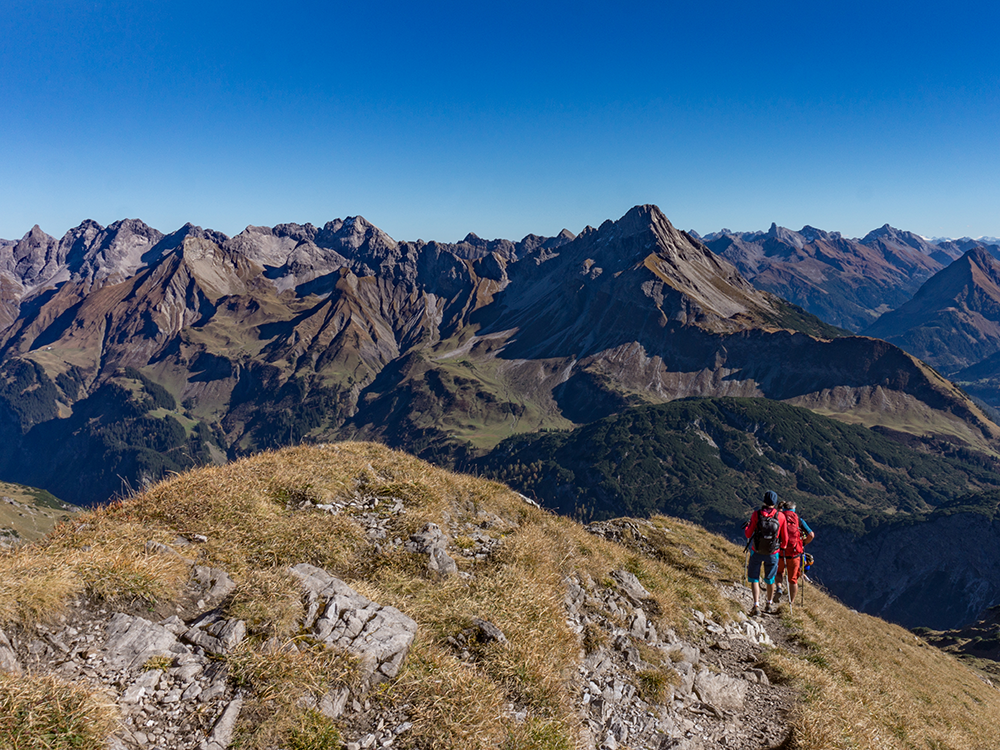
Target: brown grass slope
{"x":861,"y":682}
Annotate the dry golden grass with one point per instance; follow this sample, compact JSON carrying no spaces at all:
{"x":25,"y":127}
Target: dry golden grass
{"x":864,"y":684}
{"x":283,"y":680}
{"x":44,"y":713}
{"x":269,"y":601}
{"x":870,"y":685}
{"x":34,"y":587}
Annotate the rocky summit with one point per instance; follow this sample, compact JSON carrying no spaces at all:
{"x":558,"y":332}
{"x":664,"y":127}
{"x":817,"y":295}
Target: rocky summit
{"x":127,"y":353}
{"x":348,"y":596}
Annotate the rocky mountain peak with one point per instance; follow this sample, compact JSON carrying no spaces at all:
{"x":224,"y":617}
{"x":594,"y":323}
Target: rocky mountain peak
{"x":35,"y":257}
{"x":117,"y":251}
{"x":811,"y":234}
{"x":890,"y":233}
{"x":353,"y":234}
{"x":643,"y":218}
{"x":953,"y":321}
{"x":787,"y":236}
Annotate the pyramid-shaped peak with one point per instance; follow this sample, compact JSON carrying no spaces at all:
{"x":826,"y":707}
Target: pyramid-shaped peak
{"x":883,"y":232}
{"x":642,"y":218}
{"x":35,"y":234}
{"x":980,"y":256}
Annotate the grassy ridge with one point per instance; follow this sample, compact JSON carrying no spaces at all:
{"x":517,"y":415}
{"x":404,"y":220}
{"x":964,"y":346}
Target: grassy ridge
{"x":861,"y":683}
{"x":710,"y":460}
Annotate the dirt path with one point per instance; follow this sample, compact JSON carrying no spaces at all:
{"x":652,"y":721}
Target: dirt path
{"x":764,"y":721}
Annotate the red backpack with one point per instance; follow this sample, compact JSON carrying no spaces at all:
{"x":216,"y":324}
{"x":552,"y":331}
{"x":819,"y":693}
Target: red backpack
{"x":794,"y":545}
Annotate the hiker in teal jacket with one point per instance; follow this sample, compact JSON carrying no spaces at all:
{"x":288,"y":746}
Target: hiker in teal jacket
{"x":790,"y":561}
{"x":767,"y":533}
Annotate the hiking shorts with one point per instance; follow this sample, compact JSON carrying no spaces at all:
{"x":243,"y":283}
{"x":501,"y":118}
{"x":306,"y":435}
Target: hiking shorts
{"x":770,"y":563}
{"x":792,"y":564}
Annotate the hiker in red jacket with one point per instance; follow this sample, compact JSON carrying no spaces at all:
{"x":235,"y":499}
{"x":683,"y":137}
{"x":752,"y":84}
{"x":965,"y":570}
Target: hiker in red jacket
{"x":767,"y":533}
{"x":790,"y":559}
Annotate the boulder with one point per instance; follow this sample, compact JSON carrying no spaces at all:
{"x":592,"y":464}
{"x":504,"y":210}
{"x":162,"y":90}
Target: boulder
{"x":720,"y":690}
{"x":8,"y":659}
{"x":342,"y":618}
{"x":629,"y":585}
{"x":132,"y":641}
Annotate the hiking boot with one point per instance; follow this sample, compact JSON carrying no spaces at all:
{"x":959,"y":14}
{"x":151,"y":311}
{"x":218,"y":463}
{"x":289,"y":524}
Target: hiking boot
{"x":768,"y":608}
{"x":778,"y":592}
{"x":755,"y":611}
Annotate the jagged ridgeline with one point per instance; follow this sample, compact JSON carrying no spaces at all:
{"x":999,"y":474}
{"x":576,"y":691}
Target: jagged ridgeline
{"x":126,"y":353}
{"x":320,"y":597}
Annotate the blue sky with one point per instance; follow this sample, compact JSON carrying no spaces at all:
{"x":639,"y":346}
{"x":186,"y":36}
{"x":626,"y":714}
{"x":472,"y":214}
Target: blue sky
{"x":436,"y":119}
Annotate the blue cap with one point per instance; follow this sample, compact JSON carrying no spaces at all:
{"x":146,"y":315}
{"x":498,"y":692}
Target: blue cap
{"x":770,"y":498}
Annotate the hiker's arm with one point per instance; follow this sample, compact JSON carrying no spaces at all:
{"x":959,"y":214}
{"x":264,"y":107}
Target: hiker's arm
{"x":750,"y":527}
{"x":807,"y":535}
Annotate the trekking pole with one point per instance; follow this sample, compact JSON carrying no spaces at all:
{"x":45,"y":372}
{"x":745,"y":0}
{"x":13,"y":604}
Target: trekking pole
{"x":804,"y":579}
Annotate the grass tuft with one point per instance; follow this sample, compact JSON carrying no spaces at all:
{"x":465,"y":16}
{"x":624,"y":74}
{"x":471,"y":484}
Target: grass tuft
{"x":44,"y":713}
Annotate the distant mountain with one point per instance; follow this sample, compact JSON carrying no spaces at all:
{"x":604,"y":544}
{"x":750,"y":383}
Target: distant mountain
{"x":953,"y":321}
{"x":846,"y":282}
{"x":126,"y":353}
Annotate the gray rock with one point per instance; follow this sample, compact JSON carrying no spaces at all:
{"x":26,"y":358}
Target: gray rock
{"x":175,"y":625}
{"x":720,"y":690}
{"x":222,"y":732}
{"x":143,"y":685}
{"x":218,"y":636}
{"x":216,"y":583}
{"x":332,"y":704}
{"x":8,"y":659}
{"x":431,"y":537}
{"x":486,"y":631}
{"x":379,"y":636}
{"x":630,"y":585}
{"x":757,"y":676}
{"x":132,"y":641}
{"x":441,"y":562}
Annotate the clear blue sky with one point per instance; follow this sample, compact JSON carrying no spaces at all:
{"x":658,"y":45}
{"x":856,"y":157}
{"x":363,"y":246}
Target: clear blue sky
{"x":436,"y":119}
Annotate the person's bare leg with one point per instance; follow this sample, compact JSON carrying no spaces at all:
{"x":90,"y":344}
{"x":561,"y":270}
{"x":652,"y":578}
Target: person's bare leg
{"x":755,"y":588}
{"x":793,"y":589}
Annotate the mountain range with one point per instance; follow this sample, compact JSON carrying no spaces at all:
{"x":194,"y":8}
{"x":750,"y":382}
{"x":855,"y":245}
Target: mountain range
{"x":847,"y":282}
{"x":127,"y":352}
